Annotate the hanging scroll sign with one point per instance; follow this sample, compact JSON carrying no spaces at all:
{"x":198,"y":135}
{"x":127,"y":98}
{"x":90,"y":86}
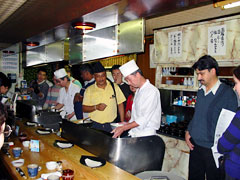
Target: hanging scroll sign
{"x":175,"y":44}
{"x":217,"y":40}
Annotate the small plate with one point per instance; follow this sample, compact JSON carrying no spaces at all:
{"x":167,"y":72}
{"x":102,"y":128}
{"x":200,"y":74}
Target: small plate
{"x":30,"y":124}
{"x":116,"y":124}
{"x":18,"y":163}
{"x":63,"y":144}
{"x":45,"y":176}
{"x":92,"y":162}
{"x":82,"y":121}
{"x":43,"y":131}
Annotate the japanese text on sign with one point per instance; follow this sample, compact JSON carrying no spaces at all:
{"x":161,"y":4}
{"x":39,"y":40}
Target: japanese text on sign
{"x":217,"y":40}
{"x":175,"y":44}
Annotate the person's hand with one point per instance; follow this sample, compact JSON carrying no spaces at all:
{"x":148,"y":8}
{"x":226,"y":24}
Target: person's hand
{"x":29,"y":90}
{"x":118,"y":131}
{"x":77,"y":98}
{"x":187,"y":139}
{"x":128,"y":115}
{"x":69,"y":116}
{"x":123,"y":123}
{"x":101,"y":106}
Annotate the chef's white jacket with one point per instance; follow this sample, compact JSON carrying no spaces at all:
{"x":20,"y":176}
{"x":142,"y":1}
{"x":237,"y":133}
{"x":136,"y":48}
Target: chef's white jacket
{"x":66,"y":98}
{"x":146,"y":111}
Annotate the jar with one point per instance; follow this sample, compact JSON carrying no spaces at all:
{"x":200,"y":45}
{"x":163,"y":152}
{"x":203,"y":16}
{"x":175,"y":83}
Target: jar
{"x":68,"y":174}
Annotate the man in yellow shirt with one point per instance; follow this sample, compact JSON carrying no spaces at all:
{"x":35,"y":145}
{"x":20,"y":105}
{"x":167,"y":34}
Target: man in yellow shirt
{"x":101,"y":102}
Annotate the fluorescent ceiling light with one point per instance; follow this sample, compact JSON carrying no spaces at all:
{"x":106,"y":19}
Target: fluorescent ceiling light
{"x":234,"y":4}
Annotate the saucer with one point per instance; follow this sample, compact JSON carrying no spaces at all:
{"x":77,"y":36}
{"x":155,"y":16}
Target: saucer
{"x":43,"y":131}
{"x":18,"y":163}
{"x":115,"y":125}
{"x":31,"y":124}
{"x":63,"y":144}
{"x":92,"y":161}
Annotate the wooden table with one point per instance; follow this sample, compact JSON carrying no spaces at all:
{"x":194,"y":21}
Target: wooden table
{"x":70,"y":158}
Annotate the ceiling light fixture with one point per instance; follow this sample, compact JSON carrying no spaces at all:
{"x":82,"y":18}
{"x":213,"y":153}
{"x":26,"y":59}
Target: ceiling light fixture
{"x":232,"y":5}
{"x":84,"y":25}
{"x":32,"y":44}
{"x":227,"y":4}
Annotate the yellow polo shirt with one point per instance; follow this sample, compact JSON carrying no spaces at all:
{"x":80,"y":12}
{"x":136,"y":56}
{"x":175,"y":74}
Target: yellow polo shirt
{"x":95,"y":95}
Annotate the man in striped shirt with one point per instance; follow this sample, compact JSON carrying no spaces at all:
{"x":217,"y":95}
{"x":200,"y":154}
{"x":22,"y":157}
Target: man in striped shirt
{"x":53,"y":93}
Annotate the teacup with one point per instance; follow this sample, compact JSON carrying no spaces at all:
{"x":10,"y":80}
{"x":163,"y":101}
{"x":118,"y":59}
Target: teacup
{"x":68,"y":174}
{"x":17,"y":152}
{"x":53,"y":177}
{"x":51,"y":165}
{"x":26,"y":143}
{"x":33,"y":170}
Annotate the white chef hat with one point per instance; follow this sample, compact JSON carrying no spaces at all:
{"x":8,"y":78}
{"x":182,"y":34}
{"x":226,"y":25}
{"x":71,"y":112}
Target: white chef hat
{"x":60,"y":73}
{"x":128,"y":68}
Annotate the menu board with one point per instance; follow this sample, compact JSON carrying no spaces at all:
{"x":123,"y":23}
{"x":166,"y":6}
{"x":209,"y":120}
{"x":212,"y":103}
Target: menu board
{"x":9,"y":62}
{"x":175,"y":44}
{"x":217,"y":40}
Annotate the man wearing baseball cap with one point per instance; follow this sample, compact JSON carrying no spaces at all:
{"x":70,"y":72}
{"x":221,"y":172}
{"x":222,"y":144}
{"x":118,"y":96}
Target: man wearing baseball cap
{"x":66,"y":93}
{"x":103,"y":100}
{"x":146,"y":108}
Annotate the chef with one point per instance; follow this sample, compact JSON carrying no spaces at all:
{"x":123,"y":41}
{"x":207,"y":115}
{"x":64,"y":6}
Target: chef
{"x":146,"y":108}
{"x":66,"y":94}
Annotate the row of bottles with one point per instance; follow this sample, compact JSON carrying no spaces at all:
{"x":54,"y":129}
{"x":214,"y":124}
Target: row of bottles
{"x":188,"y":81}
{"x":169,"y":71}
{"x":185,"y":101}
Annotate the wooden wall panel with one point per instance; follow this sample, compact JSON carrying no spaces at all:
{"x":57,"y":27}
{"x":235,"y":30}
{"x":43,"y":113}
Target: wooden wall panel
{"x":143,"y":61}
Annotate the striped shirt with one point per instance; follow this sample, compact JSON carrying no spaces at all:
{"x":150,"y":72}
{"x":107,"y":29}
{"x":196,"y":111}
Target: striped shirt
{"x":229,"y":145}
{"x":52,"y":96}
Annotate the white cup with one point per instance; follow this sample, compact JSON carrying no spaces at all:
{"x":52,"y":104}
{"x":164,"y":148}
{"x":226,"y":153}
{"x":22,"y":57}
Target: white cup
{"x":53,"y":177}
{"x":26,"y":143}
{"x":4,"y":100}
{"x":51,"y":165}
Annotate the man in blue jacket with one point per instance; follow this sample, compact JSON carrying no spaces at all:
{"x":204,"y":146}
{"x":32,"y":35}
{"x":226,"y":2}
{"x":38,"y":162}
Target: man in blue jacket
{"x":212,"y":97}
{"x":88,"y":77}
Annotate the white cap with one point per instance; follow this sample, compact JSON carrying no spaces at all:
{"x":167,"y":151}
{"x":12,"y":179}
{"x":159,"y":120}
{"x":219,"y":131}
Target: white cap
{"x":129,"y":68}
{"x":60,"y":73}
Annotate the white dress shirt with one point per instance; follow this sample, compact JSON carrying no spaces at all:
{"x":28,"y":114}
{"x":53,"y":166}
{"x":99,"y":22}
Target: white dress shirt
{"x":213,"y":89}
{"x":66,"y":98}
{"x":146,"y":111}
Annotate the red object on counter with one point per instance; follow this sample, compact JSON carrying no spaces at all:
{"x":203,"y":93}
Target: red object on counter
{"x":68,"y":174}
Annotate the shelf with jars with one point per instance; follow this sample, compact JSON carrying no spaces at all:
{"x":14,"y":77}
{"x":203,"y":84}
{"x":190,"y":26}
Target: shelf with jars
{"x":178,"y":78}
{"x":185,"y":78}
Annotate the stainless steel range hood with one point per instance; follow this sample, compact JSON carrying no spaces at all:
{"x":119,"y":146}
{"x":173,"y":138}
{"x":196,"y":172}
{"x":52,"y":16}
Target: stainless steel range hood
{"x":124,"y":38}
{"x":45,"y":54}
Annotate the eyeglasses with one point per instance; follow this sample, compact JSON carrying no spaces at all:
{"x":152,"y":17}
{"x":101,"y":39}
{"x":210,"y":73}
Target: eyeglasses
{"x":7,"y":131}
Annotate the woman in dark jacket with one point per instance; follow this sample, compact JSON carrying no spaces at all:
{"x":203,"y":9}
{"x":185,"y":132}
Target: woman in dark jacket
{"x":229,"y":143}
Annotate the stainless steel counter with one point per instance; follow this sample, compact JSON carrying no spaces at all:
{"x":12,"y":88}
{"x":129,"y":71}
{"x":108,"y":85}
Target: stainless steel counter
{"x":131,"y":154}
